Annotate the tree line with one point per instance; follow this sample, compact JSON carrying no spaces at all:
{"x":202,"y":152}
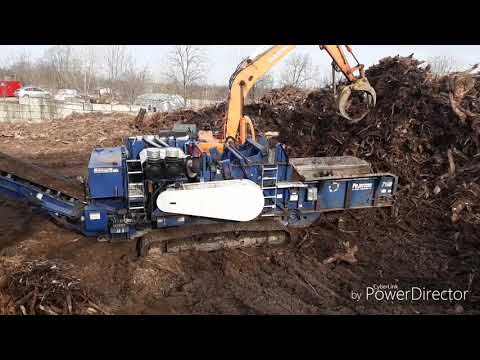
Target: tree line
{"x":87,"y":68}
{"x":83,"y":68}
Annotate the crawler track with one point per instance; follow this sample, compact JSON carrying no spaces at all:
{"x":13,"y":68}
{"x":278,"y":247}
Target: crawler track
{"x":215,"y":237}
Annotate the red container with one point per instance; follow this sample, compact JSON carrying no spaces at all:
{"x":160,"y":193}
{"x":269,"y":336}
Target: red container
{"x":8,"y":87}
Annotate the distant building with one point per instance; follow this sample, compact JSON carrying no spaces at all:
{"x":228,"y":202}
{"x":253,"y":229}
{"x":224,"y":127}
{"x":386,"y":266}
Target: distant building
{"x":103,"y":91}
{"x":160,"y":102}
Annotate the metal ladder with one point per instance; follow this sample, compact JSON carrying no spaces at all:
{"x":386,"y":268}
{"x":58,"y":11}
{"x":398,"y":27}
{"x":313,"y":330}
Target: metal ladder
{"x":136,"y":188}
{"x":269,"y":183}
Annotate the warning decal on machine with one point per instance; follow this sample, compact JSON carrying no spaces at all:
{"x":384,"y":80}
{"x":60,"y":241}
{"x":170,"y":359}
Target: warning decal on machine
{"x":105,"y":170}
{"x":95,"y":216}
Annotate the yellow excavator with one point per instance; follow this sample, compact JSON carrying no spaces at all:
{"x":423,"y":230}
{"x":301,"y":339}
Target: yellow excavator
{"x":250,"y":70}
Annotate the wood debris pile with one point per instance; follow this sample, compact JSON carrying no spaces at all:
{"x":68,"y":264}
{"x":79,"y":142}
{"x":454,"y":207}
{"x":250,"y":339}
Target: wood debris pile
{"x":425,"y":129}
{"x":43,"y":288}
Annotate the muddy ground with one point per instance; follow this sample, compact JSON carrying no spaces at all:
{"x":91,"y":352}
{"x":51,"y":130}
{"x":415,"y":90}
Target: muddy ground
{"x":415,"y":244}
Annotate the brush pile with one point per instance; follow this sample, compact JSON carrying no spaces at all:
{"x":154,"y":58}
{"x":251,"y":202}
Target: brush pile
{"x":43,"y":288}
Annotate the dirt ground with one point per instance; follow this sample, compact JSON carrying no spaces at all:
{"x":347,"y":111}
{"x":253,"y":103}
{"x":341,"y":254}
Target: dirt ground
{"x":398,"y":246}
{"x":287,"y":280}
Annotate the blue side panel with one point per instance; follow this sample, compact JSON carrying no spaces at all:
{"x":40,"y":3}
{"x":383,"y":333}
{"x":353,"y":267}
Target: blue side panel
{"x":109,"y":204}
{"x":106,"y":185}
{"x":285,"y":172}
{"x":96,"y":220}
{"x":106,"y":173}
{"x":135,"y":146}
{"x":386,"y":187}
{"x":362,"y":192}
{"x":331,"y":194}
{"x":306,"y":204}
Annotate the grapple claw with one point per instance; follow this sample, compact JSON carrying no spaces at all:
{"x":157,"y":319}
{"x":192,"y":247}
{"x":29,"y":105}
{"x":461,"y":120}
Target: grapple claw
{"x":361,"y":85}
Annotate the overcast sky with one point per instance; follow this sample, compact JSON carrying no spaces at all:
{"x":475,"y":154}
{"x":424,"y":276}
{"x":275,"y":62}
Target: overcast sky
{"x":224,"y":59}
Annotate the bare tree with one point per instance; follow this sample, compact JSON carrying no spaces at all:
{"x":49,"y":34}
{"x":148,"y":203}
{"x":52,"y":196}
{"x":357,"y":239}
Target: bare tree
{"x":186,"y":68}
{"x":64,"y":67}
{"x":72,"y":67}
{"x":298,"y":71}
{"x":443,"y":65}
{"x":325,"y":79}
{"x":89,"y":59}
{"x":58,"y":58}
{"x":21,"y":67}
{"x":264,"y":84}
{"x":4,"y":66}
{"x":116,"y":59}
{"x":314,"y":77}
{"x":133,"y":81}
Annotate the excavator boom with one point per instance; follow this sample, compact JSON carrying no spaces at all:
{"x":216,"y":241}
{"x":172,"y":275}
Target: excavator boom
{"x":242,"y":81}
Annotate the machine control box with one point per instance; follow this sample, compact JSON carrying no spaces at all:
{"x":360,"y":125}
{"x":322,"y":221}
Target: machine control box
{"x":106,"y":173}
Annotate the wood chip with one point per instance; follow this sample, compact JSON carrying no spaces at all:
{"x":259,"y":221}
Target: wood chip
{"x":451,"y":163}
{"x":348,"y":257}
{"x":69,"y":302}
{"x":3,"y":282}
{"x":47,"y":310}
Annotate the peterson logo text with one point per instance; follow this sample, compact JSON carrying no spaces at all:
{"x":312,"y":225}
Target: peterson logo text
{"x":359,"y":187}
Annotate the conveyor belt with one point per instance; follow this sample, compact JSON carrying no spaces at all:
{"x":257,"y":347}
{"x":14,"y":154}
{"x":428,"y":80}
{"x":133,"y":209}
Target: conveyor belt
{"x":37,"y":175}
{"x":50,"y":200}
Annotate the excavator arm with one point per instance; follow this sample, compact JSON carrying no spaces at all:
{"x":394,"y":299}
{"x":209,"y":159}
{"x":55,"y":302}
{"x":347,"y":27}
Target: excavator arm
{"x":358,"y":82}
{"x":338,"y":56}
{"x":250,"y":71}
{"x":243,"y":79}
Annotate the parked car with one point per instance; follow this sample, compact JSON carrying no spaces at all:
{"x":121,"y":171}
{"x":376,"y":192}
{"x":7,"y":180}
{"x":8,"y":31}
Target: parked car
{"x":33,"y":92}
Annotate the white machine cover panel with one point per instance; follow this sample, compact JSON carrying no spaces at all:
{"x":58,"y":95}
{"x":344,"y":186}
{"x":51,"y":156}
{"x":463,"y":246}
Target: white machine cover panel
{"x":236,"y":200}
